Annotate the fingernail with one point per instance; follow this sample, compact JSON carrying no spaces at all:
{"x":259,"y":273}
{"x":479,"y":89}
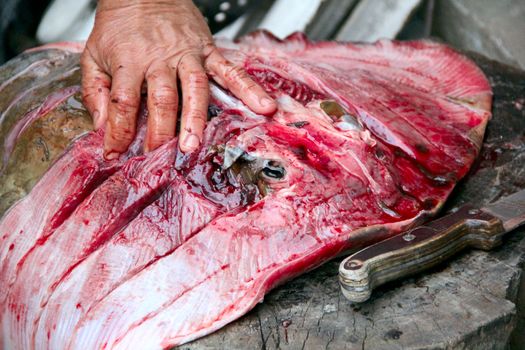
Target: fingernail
{"x":265,"y":101}
{"x":111,"y":155}
{"x":191,"y":142}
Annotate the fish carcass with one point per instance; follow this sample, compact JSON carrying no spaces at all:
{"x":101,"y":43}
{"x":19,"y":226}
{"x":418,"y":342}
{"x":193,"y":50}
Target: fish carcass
{"x":154,"y":250}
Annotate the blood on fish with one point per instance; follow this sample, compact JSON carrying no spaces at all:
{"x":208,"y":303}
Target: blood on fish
{"x":155,"y":250}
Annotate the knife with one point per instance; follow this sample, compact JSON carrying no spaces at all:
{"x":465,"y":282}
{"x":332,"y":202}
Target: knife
{"x":425,"y":246}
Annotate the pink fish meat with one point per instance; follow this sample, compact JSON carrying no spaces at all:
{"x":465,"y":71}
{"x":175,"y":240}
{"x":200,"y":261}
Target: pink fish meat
{"x":154,"y":250}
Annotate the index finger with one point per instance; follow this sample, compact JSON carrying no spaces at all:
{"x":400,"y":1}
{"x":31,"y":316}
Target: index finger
{"x":239,"y":82}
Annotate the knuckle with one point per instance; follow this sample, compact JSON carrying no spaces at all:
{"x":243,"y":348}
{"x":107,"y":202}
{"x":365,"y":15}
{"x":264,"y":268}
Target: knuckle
{"x":125,"y":100}
{"x":161,"y":137}
{"x":122,"y":139}
{"x":194,"y":129}
{"x":99,"y":83}
{"x":163,"y":97}
{"x":250,"y":85}
{"x":197,"y":116}
{"x":87,"y":94}
{"x":92,"y":86}
{"x":90,"y":94}
{"x":209,"y":49}
{"x":234,"y":73}
{"x":122,"y":135}
{"x":194,"y":125}
{"x":156,"y":72}
{"x":198,"y":79}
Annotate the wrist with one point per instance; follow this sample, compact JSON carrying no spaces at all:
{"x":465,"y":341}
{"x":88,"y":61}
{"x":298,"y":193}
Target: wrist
{"x":104,"y":5}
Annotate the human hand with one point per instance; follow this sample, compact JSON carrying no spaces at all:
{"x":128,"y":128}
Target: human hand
{"x":159,"y":43}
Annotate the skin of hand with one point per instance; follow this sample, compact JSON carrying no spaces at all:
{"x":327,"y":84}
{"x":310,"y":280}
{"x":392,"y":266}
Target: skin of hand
{"x":159,"y":43}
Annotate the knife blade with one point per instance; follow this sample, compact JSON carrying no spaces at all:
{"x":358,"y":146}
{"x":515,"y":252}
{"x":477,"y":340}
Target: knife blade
{"x":425,"y":246}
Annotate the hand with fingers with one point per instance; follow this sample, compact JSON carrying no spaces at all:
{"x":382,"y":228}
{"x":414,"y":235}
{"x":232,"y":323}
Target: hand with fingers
{"x":159,"y":43}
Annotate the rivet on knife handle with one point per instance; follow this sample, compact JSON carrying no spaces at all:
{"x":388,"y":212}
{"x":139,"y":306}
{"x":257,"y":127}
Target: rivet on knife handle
{"x":417,"y":250}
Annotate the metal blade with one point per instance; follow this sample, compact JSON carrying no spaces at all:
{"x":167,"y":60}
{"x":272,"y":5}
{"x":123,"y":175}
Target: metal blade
{"x":510,"y":209}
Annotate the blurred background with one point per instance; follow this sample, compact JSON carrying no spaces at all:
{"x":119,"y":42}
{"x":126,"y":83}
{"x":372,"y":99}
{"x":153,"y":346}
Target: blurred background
{"x":493,"y":28}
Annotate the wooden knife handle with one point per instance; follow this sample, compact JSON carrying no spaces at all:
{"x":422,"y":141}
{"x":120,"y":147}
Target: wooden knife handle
{"x":417,"y":250}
